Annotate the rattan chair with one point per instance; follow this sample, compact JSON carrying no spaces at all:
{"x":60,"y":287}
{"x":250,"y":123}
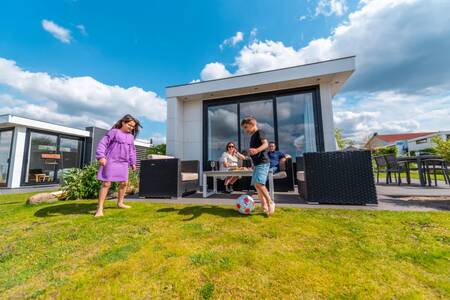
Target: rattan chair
{"x":395,"y":167}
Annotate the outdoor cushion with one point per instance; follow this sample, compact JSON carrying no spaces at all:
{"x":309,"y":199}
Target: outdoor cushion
{"x":188,"y":176}
{"x":280,"y":175}
{"x":300,"y":175}
{"x":159,"y":156}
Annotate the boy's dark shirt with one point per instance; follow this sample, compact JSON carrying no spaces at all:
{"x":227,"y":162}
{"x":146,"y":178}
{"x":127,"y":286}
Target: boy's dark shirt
{"x":256,"y":142}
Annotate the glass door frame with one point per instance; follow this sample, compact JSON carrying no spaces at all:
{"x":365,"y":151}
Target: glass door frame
{"x":318,"y":124}
{"x":12,"y":129}
{"x":58,"y":145}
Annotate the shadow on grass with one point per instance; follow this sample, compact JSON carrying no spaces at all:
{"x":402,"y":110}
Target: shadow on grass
{"x":196,"y":211}
{"x":66,"y":209}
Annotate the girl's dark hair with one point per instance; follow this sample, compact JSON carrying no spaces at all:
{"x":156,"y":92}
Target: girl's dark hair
{"x":128,"y":118}
{"x":228,"y":144}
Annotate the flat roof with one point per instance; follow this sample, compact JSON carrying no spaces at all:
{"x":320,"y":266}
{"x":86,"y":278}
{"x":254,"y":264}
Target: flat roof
{"x":12,"y":121}
{"x":335,"y":70}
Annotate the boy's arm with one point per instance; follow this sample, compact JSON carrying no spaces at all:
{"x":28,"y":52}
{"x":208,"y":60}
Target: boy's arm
{"x":264,"y":146}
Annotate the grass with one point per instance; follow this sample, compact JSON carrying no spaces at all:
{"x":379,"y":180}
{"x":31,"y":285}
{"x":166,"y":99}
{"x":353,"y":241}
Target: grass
{"x":212,"y":252}
{"x":413,"y":174}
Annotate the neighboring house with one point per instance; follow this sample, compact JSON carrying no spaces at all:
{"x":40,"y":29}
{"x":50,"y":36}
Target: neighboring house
{"x":37,"y":153}
{"x":293,"y":105}
{"x":426,"y":142}
{"x":398,"y":139}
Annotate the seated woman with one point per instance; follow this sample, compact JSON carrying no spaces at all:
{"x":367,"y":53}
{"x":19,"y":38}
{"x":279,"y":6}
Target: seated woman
{"x":230,"y":158}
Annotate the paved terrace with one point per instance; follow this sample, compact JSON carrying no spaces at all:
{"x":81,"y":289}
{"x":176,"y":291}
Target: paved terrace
{"x":390,"y":197}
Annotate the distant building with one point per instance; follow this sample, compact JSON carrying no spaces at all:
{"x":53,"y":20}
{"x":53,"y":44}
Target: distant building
{"x":383,"y":140}
{"x":426,"y":142}
{"x":34,"y":152}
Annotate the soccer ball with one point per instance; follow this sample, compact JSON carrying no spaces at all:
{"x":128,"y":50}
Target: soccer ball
{"x":245,"y":204}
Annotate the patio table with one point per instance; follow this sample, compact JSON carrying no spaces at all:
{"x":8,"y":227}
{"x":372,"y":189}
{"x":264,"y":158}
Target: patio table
{"x":418,"y":160}
{"x":238,"y":173}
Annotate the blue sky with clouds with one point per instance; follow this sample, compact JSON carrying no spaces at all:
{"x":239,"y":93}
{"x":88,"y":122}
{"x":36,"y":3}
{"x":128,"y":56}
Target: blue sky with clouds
{"x":80,"y":62}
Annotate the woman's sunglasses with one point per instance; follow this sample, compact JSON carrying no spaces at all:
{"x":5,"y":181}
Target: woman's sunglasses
{"x":231,"y":146}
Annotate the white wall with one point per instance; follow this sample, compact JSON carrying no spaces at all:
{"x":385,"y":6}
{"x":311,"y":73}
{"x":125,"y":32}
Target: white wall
{"x":193,"y":130}
{"x":18,"y":150}
{"x":327,"y":117}
{"x":175,"y":124}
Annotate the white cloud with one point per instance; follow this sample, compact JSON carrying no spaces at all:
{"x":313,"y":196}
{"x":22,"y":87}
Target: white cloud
{"x":213,"y":71}
{"x":82,"y":29}
{"x":401,"y":48}
{"x":74,"y":100}
{"x":331,"y":7}
{"x":233,"y":41}
{"x":57,"y":31}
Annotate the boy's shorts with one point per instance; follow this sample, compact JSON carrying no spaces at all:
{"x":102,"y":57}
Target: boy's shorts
{"x":260,"y":174}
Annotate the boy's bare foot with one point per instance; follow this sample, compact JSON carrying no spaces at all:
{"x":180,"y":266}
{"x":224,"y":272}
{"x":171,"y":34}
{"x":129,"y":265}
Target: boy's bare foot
{"x":271,"y":208}
{"x":99,"y":213}
{"x":121,"y":205}
{"x":265,"y":208}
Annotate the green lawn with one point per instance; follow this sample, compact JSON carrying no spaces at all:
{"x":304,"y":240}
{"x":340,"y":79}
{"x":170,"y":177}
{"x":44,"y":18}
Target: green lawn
{"x":200,"y":252}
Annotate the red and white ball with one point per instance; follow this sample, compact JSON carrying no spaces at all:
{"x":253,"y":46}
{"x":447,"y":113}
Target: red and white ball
{"x":245,"y":204}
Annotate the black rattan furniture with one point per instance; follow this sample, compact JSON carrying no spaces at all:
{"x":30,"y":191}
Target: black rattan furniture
{"x":435,"y":166}
{"x":396,"y":167}
{"x":284,"y":179}
{"x":166,"y":178}
{"x":339,"y":177}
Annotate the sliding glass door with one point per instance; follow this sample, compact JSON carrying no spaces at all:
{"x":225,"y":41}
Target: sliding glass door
{"x":5,"y":155}
{"x":290,"y":118}
{"x":49,"y":156}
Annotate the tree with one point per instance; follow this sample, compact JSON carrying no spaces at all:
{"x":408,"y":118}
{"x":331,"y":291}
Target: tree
{"x":157,"y":149}
{"x":442,"y":147}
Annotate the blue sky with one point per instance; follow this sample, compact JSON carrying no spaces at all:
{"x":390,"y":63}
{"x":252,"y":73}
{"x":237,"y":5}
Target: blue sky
{"x":88,"y":62}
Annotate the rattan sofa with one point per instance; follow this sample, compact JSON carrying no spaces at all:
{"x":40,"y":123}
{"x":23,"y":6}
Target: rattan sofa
{"x":339,"y":177}
{"x":168,"y":177}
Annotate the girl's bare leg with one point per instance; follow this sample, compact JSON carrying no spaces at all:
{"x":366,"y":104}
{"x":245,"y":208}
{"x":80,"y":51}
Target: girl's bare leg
{"x":101,"y":197}
{"x":121,"y":195}
{"x":234,"y":179}
{"x":261,"y":197}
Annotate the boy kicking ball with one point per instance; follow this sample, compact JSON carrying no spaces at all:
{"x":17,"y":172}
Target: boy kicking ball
{"x":258,"y":153}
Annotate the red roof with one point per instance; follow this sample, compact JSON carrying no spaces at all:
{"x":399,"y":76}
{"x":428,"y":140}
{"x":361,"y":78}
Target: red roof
{"x":390,"y":138}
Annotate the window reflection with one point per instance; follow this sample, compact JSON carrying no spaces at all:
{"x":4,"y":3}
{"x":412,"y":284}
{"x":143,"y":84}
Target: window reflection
{"x":222,"y":128}
{"x":5,"y":150}
{"x":42,"y":158}
{"x":70,"y":150}
{"x":296,"y":130}
{"x":262,"y":110}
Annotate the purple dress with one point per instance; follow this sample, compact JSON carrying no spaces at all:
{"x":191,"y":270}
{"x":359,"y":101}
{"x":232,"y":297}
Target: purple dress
{"x":120,"y":153}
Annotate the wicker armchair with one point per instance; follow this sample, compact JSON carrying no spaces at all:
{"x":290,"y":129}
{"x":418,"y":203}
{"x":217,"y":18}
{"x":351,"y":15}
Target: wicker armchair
{"x":340,"y":177}
{"x":166,"y":178}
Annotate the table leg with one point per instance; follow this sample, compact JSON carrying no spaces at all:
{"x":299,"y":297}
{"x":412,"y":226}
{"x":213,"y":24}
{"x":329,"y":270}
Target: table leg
{"x":205,"y":186}
{"x":421,"y":174}
{"x":215,"y":184}
{"x":271,"y":188}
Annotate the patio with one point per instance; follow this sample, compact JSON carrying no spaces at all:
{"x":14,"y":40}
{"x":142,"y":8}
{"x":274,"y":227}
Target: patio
{"x":390,"y":197}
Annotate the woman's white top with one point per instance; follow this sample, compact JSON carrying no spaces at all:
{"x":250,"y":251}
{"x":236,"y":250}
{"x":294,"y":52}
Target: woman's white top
{"x":231,"y":160}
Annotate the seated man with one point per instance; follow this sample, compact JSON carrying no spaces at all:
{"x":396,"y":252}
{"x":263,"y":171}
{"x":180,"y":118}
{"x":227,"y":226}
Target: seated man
{"x":276,"y":157}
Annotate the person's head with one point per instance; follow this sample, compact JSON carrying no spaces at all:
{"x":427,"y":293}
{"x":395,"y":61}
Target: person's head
{"x":272,"y":146}
{"x":230,"y":147}
{"x":128,"y":124}
{"x":249,"y":124}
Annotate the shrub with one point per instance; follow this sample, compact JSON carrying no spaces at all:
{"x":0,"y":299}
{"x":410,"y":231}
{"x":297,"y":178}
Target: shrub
{"x":442,"y":147}
{"x":384,"y":151}
{"x":83,"y":183}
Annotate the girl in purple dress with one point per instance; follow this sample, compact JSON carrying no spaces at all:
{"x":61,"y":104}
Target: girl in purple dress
{"x":115,"y":154}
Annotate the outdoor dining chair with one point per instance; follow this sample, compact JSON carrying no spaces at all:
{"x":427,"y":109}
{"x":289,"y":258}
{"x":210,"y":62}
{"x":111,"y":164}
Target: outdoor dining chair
{"x":436,"y":165}
{"x":395,"y":167}
{"x":381,"y":166}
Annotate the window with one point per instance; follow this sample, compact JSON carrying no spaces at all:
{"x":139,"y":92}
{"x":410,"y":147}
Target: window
{"x":263,"y":111}
{"x":291,"y":119}
{"x":5,"y":152}
{"x":421,"y":141}
{"x":296,"y":126}
{"x":70,"y":150}
{"x":222,"y":128}
{"x":42,"y":158}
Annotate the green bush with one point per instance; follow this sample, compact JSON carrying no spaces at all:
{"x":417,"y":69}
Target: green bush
{"x":442,"y":147}
{"x":384,"y":151}
{"x":83,"y":183}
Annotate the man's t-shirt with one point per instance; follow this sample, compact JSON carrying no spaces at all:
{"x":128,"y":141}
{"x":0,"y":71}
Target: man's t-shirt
{"x":274,"y":157}
{"x":256,"y":142}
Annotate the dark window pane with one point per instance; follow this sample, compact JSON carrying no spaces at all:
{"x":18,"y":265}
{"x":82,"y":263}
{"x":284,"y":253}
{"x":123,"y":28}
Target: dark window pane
{"x":296,"y":131}
{"x":70,"y":150}
{"x":5,"y":150}
{"x":42,"y":158}
{"x":263,"y":112}
{"x":222,"y":128}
